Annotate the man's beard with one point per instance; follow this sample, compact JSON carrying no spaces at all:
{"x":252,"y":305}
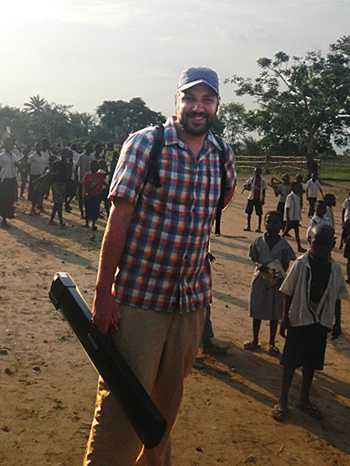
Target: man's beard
{"x":190,"y":126}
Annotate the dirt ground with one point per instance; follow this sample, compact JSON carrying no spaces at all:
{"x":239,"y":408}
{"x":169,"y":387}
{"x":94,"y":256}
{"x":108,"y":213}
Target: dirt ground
{"x":47,"y":384}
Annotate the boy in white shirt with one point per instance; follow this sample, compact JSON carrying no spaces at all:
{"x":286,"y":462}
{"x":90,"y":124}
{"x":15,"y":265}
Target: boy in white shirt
{"x":313,"y":289}
{"x":312,"y":188}
{"x":292,"y":215}
{"x":318,"y":219}
{"x":256,"y":186}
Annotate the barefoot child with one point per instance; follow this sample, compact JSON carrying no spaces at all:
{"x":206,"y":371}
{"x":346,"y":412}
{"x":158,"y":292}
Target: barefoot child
{"x":272,"y":255}
{"x":256,"y":185}
{"x":94,"y":183}
{"x":292,"y":215}
{"x":313,"y":289}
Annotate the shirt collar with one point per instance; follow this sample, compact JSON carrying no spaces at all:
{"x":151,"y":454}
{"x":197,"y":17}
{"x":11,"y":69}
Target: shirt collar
{"x":171,"y":137}
{"x":305,"y":260}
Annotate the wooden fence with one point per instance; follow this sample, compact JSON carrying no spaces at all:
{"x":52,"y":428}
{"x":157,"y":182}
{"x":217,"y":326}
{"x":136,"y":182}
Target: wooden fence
{"x":272,"y":164}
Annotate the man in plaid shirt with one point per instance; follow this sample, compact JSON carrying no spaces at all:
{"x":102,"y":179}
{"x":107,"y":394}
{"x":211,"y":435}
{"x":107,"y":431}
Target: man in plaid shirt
{"x":153,"y":283}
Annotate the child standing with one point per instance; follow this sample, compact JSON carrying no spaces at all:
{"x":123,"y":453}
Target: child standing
{"x":272,"y":255}
{"x":292,"y":215}
{"x":256,"y":199}
{"x":299,"y":189}
{"x":318,"y":219}
{"x":313,"y":187}
{"x":313,"y":289}
{"x":281,"y":188}
{"x":59,"y":177}
{"x":330,"y":201}
{"x":94,"y":183}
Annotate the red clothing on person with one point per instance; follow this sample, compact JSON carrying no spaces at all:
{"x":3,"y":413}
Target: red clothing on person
{"x":94,"y":183}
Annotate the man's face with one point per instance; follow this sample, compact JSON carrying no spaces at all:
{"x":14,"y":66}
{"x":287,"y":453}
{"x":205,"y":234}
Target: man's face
{"x":196,"y":109}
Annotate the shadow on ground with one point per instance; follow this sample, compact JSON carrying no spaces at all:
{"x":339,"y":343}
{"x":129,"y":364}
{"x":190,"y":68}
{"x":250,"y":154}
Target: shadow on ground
{"x":253,"y":375}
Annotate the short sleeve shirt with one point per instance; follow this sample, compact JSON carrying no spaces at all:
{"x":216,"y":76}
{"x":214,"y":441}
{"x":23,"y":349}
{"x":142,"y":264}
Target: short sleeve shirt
{"x":37,"y":164}
{"x":257,"y":188}
{"x":293,"y":204}
{"x":297,"y":285}
{"x":8,"y":165}
{"x":164,"y":266}
{"x":312,"y":188}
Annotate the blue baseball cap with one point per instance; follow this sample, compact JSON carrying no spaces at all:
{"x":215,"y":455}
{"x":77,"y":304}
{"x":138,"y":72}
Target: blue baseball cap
{"x":200,"y":75}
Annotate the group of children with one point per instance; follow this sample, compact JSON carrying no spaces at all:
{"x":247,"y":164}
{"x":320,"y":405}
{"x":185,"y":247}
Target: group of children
{"x":68,"y":172}
{"x":305,"y":298}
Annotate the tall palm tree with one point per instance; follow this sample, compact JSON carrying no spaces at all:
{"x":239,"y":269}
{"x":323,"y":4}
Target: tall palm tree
{"x":36,"y":104}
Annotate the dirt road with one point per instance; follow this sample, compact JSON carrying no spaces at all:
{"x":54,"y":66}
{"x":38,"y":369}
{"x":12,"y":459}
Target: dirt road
{"x":48,"y":386}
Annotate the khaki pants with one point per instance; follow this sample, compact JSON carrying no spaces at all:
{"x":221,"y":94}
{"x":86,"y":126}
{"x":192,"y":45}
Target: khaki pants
{"x":160,"y":348}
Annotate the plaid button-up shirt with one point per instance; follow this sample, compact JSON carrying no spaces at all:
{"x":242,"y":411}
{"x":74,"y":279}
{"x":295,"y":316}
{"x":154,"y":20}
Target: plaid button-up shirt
{"x":164,"y":266}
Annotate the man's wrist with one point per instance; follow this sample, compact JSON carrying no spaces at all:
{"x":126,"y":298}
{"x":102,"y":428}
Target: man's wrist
{"x":103,"y":289}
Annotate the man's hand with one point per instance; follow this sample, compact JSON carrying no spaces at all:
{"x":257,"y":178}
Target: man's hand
{"x":105,"y":311}
{"x":284,"y":326}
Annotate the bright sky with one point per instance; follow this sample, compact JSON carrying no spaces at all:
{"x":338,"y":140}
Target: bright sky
{"x":82,"y":52}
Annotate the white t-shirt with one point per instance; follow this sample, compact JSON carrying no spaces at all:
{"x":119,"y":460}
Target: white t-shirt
{"x":313,"y":188}
{"x":37,"y":163}
{"x":8,"y":164}
{"x":297,"y":285}
{"x":293,"y":204}
{"x":346,"y":207}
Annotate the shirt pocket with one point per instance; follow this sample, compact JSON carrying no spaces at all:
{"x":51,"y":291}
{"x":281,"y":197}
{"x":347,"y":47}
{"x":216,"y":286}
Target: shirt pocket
{"x":176,"y":191}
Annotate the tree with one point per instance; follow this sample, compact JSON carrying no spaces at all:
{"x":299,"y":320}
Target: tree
{"x":303,"y":102}
{"x":36,"y":104}
{"x":235,"y":121}
{"x":120,"y":118}
{"x":82,"y":125}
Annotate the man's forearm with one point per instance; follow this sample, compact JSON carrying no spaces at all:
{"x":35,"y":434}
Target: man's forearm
{"x":113,"y":243}
{"x":228,"y":196}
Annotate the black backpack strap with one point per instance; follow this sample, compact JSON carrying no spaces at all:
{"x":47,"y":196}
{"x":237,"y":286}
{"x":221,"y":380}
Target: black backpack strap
{"x":154,"y":159}
{"x":222,"y":155}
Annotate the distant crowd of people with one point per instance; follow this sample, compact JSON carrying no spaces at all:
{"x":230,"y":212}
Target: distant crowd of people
{"x":74,"y":171}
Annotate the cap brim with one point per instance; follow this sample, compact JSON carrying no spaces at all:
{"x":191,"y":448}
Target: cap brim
{"x":195,"y":83}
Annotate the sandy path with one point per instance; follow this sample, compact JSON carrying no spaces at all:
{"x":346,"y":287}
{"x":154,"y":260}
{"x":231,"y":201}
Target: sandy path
{"x":48,"y":386}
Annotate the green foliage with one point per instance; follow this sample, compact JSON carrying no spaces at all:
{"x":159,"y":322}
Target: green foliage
{"x":60,"y":124}
{"x":234,"y":122}
{"x":120,"y":118}
{"x":304,"y":103}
